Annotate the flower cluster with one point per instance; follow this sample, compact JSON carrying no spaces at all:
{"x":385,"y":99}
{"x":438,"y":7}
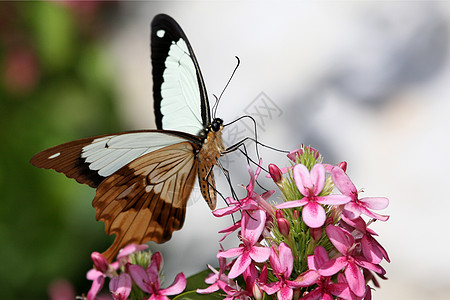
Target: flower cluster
{"x":314,"y":245}
{"x":132,"y":265}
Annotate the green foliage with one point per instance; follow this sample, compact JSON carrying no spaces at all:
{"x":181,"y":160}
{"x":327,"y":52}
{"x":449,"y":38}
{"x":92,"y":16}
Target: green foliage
{"x":47,"y":224}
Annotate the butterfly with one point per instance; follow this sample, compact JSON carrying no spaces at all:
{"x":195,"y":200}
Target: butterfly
{"x":144,"y":178}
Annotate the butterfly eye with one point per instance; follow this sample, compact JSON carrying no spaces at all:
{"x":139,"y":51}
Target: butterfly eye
{"x":216,"y":124}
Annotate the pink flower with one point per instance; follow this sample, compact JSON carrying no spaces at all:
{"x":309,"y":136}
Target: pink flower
{"x":282,"y":265}
{"x":251,"y":202}
{"x":371,"y":249}
{"x":356,"y":206}
{"x":120,"y":286}
{"x":344,"y":242}
{"x":255,"y":281}
{"x":214,"y":278}
{"x":251,"y":229}
{"x":325,"y":287}
{"x":149,"y":281}
{"x":310,"y":185}
{"x":102,"y":270}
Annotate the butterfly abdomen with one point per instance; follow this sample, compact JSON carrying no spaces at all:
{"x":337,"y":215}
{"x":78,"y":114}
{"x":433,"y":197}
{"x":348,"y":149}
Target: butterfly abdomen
{"x":207,"y":157}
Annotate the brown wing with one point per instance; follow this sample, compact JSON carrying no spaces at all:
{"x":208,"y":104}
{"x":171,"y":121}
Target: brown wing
{"x":66,"y":158}
{"x":146,"y":200}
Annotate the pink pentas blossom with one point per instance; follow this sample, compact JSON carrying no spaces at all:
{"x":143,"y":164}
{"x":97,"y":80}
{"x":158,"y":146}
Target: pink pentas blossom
{"x":344,"y":242}
{"x":310,"y":185}
{"x":148,"y":281}
{"x":326,"y":288}
{"x":251,"y":228}
{"x":282,"y":263}
{"x":120,"y":286}
{"x":214,"y":278}
{"x":356,"y":206}
{"x":253,"y":200}
{"x":98,"y":274}
{"x":254,"y":281}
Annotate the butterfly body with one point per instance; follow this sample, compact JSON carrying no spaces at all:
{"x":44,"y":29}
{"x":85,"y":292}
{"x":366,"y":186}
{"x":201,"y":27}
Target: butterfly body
{"x":208,"y":156}
{"x":144,"y":178}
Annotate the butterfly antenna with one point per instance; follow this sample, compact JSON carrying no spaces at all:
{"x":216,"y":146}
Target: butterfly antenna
{"x":214,"y":107}
{"x":228,"y":82}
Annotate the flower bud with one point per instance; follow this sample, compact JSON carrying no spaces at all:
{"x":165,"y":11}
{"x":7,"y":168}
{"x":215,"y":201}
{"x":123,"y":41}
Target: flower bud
{"x":296,"y":215}
{"x":100,"y":262}
{"x":343,"y":165}
{"x":279,"y":213}
{"x":284,"y":226}
{"x":275,"y":173}
{"x":257,"y":292}
{"x":315,"y":233}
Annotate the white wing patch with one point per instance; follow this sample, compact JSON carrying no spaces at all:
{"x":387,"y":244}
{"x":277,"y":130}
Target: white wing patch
{"x":54,"y":155}
{"x":180,"y":105}
{"x":108,"y":154}
{"x":160,"y":33}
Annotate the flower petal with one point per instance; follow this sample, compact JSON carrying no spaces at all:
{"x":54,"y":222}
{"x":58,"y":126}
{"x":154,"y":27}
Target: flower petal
{"x":226,"y":210}
{"x":178,"y":285}
{"x":317,"y":178}
{"x":333,"y":199}
{"x":355,"y":279}
{"x":340,"y":238}
{"x":302,"y":179}
{"x":239,"y":266}
{"x":293,"y":203}
{"x":343,"y":182}
{"x":286,"y":259}
{"x":333,"y":266}
{"x":285,"y":293}
{"x":272,"y":287}
{"x":376,"y":203}
{"x":253,"y":225}
{"x":318,"y":259}
{"x":132,"y":248}
{"x":313,"y":215}
{"x":96,"y":286}
{"x":230,"y":252}
{"x":259,"y":254}
{"x":140,"y":277}
{"x":120,"y":286}
{"x":305,"y":279}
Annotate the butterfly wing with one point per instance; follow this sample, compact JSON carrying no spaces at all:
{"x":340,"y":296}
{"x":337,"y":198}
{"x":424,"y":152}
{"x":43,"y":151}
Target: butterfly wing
{"x":91,"y":160}
{"x":146,"y":199}
{"x":180,"y":98}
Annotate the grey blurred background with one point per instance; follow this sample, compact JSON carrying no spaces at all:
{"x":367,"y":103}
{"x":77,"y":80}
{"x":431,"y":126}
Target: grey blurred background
{"x":364,"y":82}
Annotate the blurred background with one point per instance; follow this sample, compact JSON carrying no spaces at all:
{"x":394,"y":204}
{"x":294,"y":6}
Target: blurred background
{"x":362,"y":82}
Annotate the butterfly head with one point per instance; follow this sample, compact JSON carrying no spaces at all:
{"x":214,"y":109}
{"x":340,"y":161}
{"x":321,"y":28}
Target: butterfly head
{"x":215,"y":126}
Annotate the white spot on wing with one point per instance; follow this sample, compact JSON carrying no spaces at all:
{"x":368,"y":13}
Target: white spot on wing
{"x":160,"y":33}
{"x":54,"y":155}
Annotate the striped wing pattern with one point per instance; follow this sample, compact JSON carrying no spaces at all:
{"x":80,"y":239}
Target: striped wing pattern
{"x":146,"y":200}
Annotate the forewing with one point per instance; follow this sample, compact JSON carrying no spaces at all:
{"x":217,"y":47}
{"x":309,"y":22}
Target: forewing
{"x":180,"y":98}
{"x":146,"y":200}
{"x":91,"y":160}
